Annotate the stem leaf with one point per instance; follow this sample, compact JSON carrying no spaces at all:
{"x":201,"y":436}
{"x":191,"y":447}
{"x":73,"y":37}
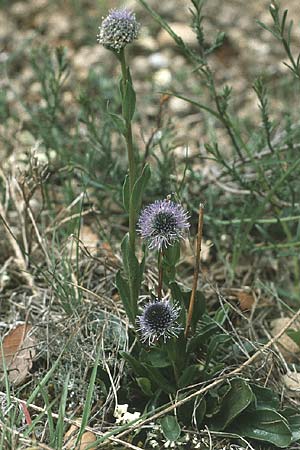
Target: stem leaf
{"x":126,"y":193}
{"x":139,"y":188}
{"x":124,"y":292}
{"x":129,"y":100}
{"x":170,"y":428}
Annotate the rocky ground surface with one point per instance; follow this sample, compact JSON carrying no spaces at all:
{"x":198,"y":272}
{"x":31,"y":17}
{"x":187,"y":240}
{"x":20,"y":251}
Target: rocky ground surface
{"x":156,"y":63}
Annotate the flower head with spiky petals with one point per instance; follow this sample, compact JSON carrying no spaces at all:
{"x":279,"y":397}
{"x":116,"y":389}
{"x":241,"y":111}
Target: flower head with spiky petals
{"x":162,"y":223}
{"x":118,"y":29}
{"x":159,"y":320}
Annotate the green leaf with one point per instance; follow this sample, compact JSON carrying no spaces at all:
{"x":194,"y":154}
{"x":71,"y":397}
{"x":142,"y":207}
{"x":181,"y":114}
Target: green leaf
{"x":214,"y":399}
{"x":128,"y":104}
{"x":159,"y":380}
{"x":170,"y":428}
{"x":199,"y":306}
{"x":169,"y":273}
{"x":139,"y":188}
{"x":126,"y":193}
{"x":154,"y":402}
{"x":133,"y":272}
{"x":157,"y":358}
{"x":271,"y":30}
{"x":264,"y":398}
{"x":295,"y":335}
{"x":118,"y":122}
{"x":172,"y":254}
{"x":136,"y":366}
{"x":188,"y":376}
{"x":293,"y":418}
{"x":234,"y":402}
{"x":201,"y":338}
{"x":89,"y":397}
{"x":216,"y":341}
{"x":200,"y":412}
{"x":145,"y":386}
{"x":263,"y":425}
{"x":185,"y":412}
{"x":124,"y":292}
{"x":177,"y":293}
{"x":221,"y":315}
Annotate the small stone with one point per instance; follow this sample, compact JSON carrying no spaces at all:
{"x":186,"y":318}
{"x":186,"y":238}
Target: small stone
{"x":292,"y":381}
{"x":148,"y":43}
{"x":178,"y":106}
{"x":141,"y":65}
{"x":88,"y":56}
{"x":163,"y":78}
{"x":58,"y":25}
{"x":158,"y":61}
{"x":182,"y":30}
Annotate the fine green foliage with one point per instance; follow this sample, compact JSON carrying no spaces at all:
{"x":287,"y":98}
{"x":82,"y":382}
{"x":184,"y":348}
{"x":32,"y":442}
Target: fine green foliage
{"x":267,"y":196}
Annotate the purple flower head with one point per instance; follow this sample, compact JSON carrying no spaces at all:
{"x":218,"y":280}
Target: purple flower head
{"x":162,"y":223}
{"x":118,"y":29}
{"x":159,"y":321}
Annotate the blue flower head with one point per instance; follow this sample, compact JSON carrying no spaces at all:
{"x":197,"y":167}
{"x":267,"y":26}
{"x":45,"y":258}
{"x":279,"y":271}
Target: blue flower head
{"x":162,"y":223}
{"x":159,"y":320}
{"x":118,"y":29}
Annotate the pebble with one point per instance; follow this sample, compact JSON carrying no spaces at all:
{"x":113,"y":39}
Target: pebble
{"x":181,"y":29}
{"x":178,"y":106}
{"x":292,"y":382}
{"x":88,"y":56}
{"x":141,"y":65}
{"x":147,"y":43}
{"x":158,"y":61}
{"x":163,"y":78}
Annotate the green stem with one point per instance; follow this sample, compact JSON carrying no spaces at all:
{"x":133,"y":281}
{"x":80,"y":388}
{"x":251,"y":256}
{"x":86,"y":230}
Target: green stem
{"x":130,"y":153}
{"x":160,"y":274}
{"x":176,"y":376}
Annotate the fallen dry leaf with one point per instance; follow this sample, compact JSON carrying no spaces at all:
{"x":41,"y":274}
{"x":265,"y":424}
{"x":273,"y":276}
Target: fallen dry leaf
{"x":189,"y":251}
{"x":87,"y":439}
{"x":246,"y":300}
{"x":288,"y":347}
{"x":108,"y":252}
{"x":18,"y":350}
{"x":89,"y":239}
{"x":88,"y":242}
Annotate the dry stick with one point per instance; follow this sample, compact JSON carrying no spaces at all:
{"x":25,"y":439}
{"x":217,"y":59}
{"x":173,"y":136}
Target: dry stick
{"x":249,"y":361}
{"x":196,"y":270}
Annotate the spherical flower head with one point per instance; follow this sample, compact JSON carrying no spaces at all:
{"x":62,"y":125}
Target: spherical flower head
{"x":159,"y":320}
{"x":163,"y":223}
{"x":118,"y":29}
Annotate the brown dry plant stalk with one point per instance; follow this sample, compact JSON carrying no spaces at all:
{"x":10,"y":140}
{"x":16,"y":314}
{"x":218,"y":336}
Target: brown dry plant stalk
{"x":196,"y":269}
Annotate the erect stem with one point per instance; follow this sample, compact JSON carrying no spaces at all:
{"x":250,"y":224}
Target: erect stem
{"x":130,"y":151}
{"x":160,"y":274}
{"x":196,"y":270}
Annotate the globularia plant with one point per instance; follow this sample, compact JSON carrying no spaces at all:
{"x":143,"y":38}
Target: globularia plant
{"x":179,"y":344}
{"x":162,"y":224}
{"x":118,"y":29}
{"x":159,"y":321}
